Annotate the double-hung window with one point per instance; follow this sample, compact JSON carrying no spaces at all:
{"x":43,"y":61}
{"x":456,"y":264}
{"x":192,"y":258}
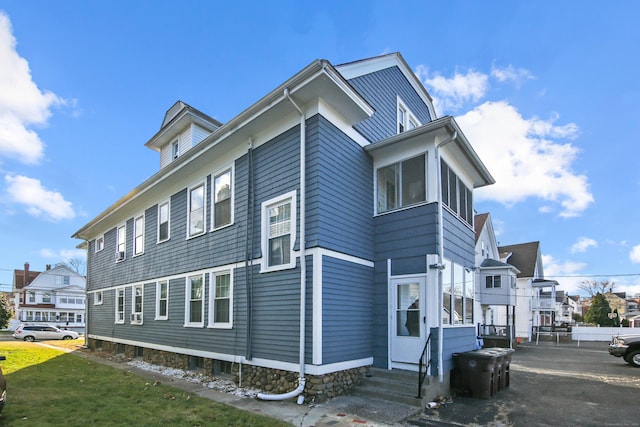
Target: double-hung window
{"x":163,"y":221}
{"x":222,"y":199}
{"x":121,"y":242}
{"x":458,"y":294}
{"x":119,"y":305}
{"x":402,"y":184}
{"x":279,"y":232}
{"x":99,"y":244}
{"x":493,"y":282}
{"x":194,"y":309}
{"x":138,"y":235}
{"x":221,"y":295}
{"x":196,"y":211}
{"x":136,"y":304}
{"x":97,"y":298}
{"x":162,"y":300}
{"x":175,"y":149}
{"x":405,"y":119}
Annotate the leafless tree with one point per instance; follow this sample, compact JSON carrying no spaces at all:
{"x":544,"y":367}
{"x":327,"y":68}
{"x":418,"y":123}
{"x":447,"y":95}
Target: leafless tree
{"x":76,"y":264}
{"x":595,"y":287}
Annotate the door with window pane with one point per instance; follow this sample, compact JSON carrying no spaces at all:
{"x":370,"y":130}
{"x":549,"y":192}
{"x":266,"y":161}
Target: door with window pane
{"x":407,"y":319}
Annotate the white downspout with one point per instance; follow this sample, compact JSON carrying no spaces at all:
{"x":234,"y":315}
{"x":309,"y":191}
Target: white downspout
{"x":441,"y":255}
{"x":303,"y":266}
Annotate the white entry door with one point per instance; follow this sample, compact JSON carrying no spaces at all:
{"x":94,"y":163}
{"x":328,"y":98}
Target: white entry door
{"x":407,"y":319}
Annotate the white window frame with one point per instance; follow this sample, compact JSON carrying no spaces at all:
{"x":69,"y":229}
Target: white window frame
{"x":202,"y":184}
{"x":402,"y":204}
{"x":98,"y":298}
{"x":99,"y":246}
{"x":175,"y":149}
{"x":188,"y":300}
{"x":119,"y":314}
{"x":231,"y":172}
{"x":159,"y":300}
{"x":137,"y":292}
{"x":405,"y":119}
{"x":166,"y":203}
{"x":138,"y":235}
{"x":213,"y":297}
{"x":121,"y":246}
{"x":289,"y":197}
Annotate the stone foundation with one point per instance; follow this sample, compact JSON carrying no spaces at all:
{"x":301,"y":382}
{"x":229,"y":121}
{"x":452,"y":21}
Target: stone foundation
{"x":318,"y":388}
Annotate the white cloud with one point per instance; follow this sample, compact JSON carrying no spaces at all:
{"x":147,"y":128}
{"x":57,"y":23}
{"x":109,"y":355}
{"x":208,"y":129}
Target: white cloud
{"x":39,"y":201}
{"x":634,"y":255}
{"x":510,"y":73}
{"x":559,"y":270}
{"x":583,"y":244}
{"x":524,"y":161}
{"x":22,"y":103}
{"x":452,"y":93}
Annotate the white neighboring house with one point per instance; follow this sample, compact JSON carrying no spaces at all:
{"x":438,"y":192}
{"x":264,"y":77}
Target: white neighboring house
{"x":56,"y":295}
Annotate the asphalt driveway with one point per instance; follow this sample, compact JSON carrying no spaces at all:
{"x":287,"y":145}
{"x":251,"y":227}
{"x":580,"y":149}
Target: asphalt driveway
{"x":553,"y":385}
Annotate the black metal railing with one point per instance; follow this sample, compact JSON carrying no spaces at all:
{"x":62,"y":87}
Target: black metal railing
{"x":424,"y":363}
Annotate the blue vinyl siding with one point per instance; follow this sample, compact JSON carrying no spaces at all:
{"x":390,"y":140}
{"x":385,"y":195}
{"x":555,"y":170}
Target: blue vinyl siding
{"x":347,"y":317}
{"x":454,"y":340}
{"x":381,"y":90}
{"x":405,"y":237}
{"x":459,"y":240}
{"x":339,"y":191}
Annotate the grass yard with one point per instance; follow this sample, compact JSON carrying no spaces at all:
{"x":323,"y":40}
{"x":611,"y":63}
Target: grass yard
{"x":48,"y":387}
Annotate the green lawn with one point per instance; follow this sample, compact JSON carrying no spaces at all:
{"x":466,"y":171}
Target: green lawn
{"x":47,"y":387}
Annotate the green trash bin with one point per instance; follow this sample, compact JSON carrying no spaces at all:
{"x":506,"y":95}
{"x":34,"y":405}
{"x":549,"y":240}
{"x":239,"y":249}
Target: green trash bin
{"x":477,"y":372}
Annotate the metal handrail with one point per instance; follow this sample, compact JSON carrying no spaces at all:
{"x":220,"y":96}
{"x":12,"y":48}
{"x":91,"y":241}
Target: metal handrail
{"x":424,"y":363}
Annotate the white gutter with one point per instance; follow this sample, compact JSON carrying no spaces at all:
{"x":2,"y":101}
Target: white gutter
{"x":303,"y":262}
{"x":441,"y":254}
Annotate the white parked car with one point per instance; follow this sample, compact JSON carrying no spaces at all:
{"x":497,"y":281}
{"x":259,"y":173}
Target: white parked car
{"x":42,"y":332}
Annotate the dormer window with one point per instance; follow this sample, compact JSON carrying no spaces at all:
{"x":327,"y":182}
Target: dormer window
{"x":406,"y":119}
{"x":175,"y":150}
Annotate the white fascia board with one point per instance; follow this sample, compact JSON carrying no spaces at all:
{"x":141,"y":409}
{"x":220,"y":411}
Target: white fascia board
{"x":237,"y":132}
{"x":367,"y":66}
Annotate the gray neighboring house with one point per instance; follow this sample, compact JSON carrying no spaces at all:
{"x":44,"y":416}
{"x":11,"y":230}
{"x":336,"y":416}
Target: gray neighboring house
{"x":326,"y":229}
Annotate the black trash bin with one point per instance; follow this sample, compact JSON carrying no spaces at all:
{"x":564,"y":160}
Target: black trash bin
{"x":503,"y":361}
{"x":477,"y":372}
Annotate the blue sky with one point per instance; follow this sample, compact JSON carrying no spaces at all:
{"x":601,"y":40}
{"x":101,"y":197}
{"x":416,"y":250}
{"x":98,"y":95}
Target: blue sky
{"x":546,"y":92}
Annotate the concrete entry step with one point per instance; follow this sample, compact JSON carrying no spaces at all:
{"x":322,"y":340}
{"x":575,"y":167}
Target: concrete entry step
{"x":391,"y":385}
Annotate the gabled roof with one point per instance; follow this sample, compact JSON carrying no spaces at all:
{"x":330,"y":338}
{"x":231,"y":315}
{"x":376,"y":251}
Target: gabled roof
{"x":177,"y":118}
{"x":317,"y":80}
{"x":523,"y":256}
{"x":351,"y":70}
{"x":492,"y":263}
{"x":18,"y":278}
{"x":478,"y":223}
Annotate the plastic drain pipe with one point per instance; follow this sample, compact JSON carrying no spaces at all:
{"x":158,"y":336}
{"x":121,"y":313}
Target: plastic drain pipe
{"x":303,"y":264}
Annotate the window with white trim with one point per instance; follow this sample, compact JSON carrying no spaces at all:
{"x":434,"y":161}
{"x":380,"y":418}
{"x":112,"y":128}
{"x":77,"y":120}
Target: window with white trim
{"x":402,"y":184}
{"x":221,"y":295}
{"x":99,"y":244}
{"x":194,"y":310}
{"x":455,"y":194}
{"x":162,"y":300}
{"x":405,"y":118}
{"x":279,"y":232}
{"x":119,"y":305}
{"x":138,"y":235}
{"x":457,"y":294}
{"x":121,"y":242}
{"x":222,"y":199}
{"x":164,"y":212}
{"x":175,"y":149}
{"x":137,"y":298}
{"x":493,"y":282}
{"x":196,"y":211}
{"x":97,"y":298}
